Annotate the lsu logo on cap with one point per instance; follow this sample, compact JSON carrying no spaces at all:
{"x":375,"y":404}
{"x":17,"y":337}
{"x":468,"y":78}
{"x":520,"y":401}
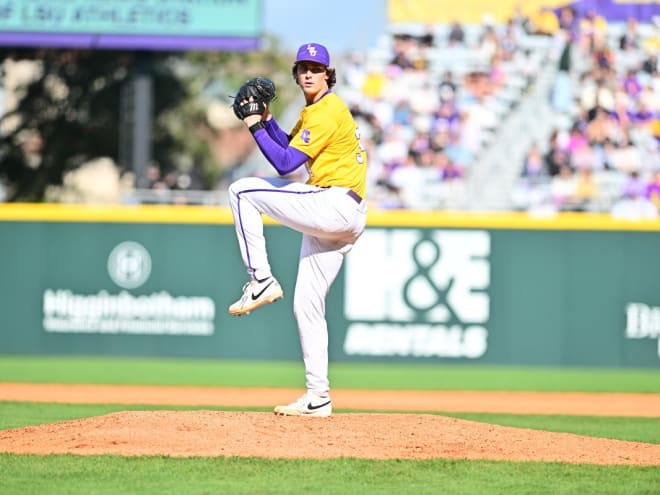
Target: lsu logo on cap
{"x":313,"y":52}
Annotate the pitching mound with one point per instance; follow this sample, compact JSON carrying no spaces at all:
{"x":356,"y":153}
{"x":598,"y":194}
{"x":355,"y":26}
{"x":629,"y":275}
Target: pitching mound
{"x":260,"y":434}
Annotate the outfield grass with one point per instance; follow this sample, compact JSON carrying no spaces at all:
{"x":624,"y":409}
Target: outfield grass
{"x":342,"y":375}
{"x":111,"y":475}
{"x":70,"y":474}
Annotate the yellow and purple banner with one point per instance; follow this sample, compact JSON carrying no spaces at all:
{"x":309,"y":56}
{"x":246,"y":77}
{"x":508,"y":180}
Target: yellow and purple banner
{"x":474,"y":11}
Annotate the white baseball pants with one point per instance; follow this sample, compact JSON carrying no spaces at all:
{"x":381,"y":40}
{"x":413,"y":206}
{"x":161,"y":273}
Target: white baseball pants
{"x":330,"y":220}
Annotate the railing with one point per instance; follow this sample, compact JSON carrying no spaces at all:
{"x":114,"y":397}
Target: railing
{"x":174,"y":197}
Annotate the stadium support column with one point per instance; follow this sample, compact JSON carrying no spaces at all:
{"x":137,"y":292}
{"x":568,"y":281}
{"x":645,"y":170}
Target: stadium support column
{"x":135,"y":123}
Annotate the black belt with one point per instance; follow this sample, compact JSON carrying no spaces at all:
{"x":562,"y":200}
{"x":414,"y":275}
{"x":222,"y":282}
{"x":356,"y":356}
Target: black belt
{"x":355,"y":196}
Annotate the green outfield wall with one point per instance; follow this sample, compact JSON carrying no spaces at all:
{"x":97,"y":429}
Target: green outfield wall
{"x":575,"y":289}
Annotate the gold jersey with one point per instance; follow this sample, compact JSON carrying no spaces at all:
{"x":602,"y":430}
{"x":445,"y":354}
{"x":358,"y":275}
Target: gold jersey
{"x":328,"y":134}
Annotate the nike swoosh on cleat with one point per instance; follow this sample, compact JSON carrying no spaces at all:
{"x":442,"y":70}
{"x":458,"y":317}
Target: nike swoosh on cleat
{"x":258,"y":294}
{"x":310,"y":407}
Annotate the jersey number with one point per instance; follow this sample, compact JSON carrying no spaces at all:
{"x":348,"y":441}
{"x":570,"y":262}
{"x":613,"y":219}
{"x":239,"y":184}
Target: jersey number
{"x":359,"y":157}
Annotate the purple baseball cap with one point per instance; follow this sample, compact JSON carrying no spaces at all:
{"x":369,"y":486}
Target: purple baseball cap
{"x":313,"y":52}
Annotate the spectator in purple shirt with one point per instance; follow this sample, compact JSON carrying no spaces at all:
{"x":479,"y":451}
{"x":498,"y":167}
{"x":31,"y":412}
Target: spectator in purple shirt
{"x":653,"y":190}
{"x":634,"y":185}
{"x":631,"y":84}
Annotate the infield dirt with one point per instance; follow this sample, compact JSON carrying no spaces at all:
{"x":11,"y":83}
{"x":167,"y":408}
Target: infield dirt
{"x":380,"y":435}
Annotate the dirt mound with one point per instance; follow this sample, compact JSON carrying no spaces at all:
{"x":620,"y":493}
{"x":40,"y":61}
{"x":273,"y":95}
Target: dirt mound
{"x":373,"y":436}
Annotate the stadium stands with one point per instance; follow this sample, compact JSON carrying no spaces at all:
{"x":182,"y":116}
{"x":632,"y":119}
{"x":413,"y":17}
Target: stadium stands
{"x":480,"y":97}
{"x":431,"y":104}
{"x":535,"y":114}
{"x":605,"y":114}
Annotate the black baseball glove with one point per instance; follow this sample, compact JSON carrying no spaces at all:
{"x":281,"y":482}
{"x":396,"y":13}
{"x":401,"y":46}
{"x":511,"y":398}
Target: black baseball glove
{"x":253,"y":96}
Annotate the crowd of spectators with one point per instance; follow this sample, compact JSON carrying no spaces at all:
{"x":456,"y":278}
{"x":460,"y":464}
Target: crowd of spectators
{"x":429,"y":105}
{"x":429,"y":101}
{"x":604,"y":154}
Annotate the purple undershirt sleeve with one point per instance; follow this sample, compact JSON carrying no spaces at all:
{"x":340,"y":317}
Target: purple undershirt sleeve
{"x":276,"y":132}
{"x":284,"y":159}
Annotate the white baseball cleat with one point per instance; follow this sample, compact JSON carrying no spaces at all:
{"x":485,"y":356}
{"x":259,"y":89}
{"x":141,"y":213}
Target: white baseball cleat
{"x":310,"y":404}
{"x":256,"y":294}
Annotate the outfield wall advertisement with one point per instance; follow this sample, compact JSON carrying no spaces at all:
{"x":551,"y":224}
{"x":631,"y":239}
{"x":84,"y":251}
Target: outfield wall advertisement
{"x":418,"y":293}
{"x":111,"y":312}
{"x":446,"y":292}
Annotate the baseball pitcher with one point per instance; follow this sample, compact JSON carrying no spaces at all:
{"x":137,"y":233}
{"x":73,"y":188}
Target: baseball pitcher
{"x":329,"y":210}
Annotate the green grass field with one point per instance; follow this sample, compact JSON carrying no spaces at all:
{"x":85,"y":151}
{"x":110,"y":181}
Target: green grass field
{"x":351,"y":376}
{"x":69,"y":474}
